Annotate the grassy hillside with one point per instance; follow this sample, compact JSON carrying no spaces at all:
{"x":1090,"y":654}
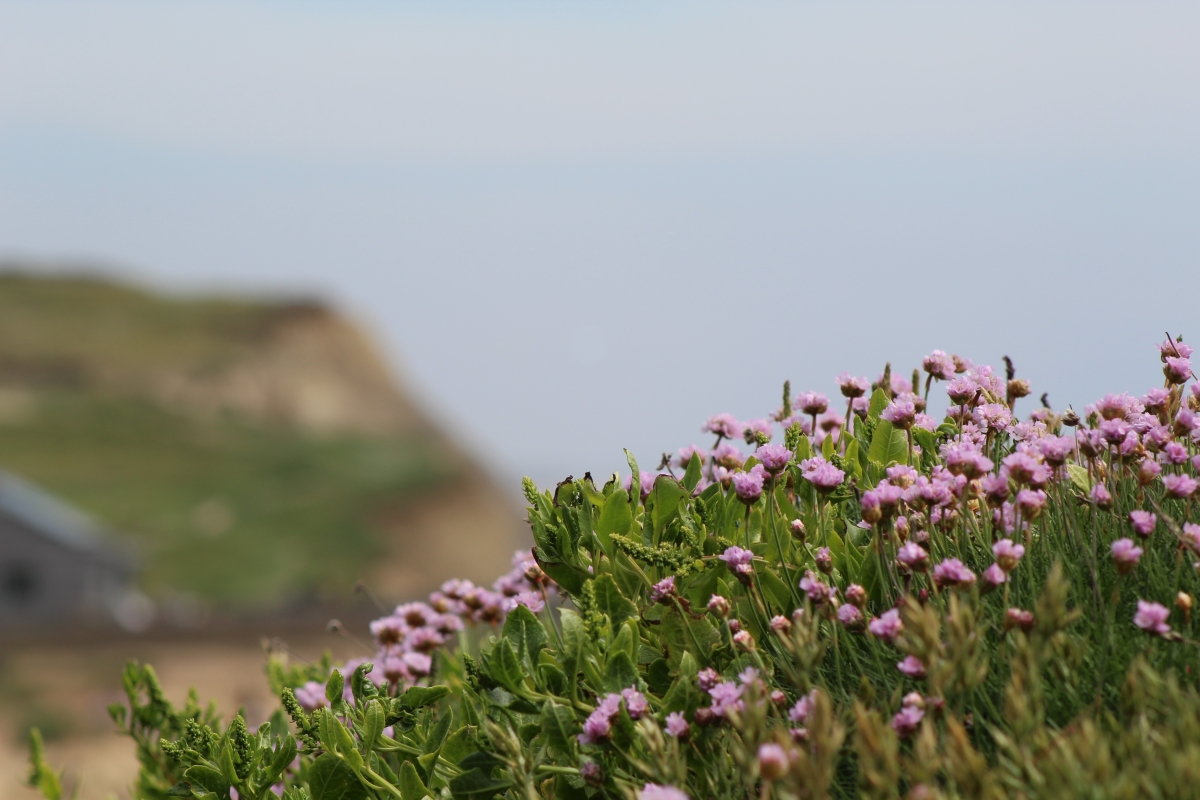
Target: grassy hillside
{"x":230,"y":498}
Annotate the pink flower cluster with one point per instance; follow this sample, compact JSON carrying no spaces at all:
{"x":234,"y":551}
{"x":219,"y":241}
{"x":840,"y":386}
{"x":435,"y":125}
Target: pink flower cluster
{"x":597,"y":728}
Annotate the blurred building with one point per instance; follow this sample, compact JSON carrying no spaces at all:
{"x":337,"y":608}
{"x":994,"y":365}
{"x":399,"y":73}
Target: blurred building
{"x":57,"y":566}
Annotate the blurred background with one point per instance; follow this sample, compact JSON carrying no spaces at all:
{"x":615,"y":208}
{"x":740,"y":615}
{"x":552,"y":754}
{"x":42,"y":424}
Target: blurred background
{"x":293,"y":294}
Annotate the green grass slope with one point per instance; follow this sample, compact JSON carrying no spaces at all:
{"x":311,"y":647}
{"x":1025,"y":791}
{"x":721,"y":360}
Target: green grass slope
{"x":233,"y":507}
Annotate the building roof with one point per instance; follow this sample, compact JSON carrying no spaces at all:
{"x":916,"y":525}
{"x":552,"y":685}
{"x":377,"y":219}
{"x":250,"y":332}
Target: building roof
{"x":45,"y":514}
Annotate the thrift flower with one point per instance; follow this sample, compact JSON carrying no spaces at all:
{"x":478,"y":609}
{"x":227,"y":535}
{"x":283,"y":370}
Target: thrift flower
{"x":1018,"y":618}
{"x":1152,"y":617}
{"x":663,"y":591}
{"x":685,"y":455}
{"x":635,"y":703}
{"x":707,"y":678}
{"x":901,"y":413}
{"x":803,"y":707}
{"x":952,"y":572}
{"x":719,"y":605}
{"x":993,"y":576}
{"x":912,"y":667}
{"x":653,"y":791}
{"x":774,"y":457}
{"x":1007,"y":554}
{"x":1143,"y":522}
{"x":852,"y":387}
{"x":905,"y":723}
{"x":726,"y":698}
{"x":676,"y":726}
{"x":738,"y":560}
{"x":773,"y":762}
{"x":913,"y":556}
{"x":311,"y":695}
{"x":850,"y":617}
{"x":1125,"y":555}
{"x":1180,"y":487}
{"x":749,"y":485}
{"x":887,"y":626}
{"x":811,"y":403}
{"x":723,"y":425}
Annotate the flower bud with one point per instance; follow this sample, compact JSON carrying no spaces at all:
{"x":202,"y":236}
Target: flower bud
{"x":1183,"y":601}
{"x":1018,"y":388}
{"x":592,"y":774}
{"x":824,"y":560}
{"x":735,"y":627}
{"x":913,"y":700}
{"x":719,"y":606}
{"x":1070,"y":418}
{"x":704,"y":717}
{"x":798,"y":531}
{"x":1018,"y":618}
{"x":856,"y":596}
{"x":778,"y":697}
{"x":773,"y":762}
{"x":744,"y":641}
{"x":781,"y":625}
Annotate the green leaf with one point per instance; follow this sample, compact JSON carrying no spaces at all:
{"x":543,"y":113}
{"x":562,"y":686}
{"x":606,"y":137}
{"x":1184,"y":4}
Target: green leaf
{"x":827,"y":447}
{"x":477,"y":784}
{"x":1079,"y":477}
{"x":675,"y":637}
{"x":575,"y":639}
{"x":888,"y":445}
{"x":610,"y":601}
{"x":695,"y":470}
{"x":331,"y":779}
{"x":459,"y":744}
{"x":664,"y":498}
{"x":334,"y":687}
{"x":569,"y":577}
{"x":438,"y":734}
{"x":559,"y":728}
{"x":506,"y":668}
{"x":207,"y":778}
{"x":879,"y":401}
{"x":373,"y":721}
{"x":421,"y":696}
{"x":619,"y":672}
{"x":526,"y":633}
{"x":636,"y":482}
{"x":776,"y":591}
{"x":615,"y":517}
{"x":411,"y":786}
{"x":285,"y":754}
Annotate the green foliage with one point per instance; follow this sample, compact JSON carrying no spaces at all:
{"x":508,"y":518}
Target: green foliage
{"x":1037,"y":686}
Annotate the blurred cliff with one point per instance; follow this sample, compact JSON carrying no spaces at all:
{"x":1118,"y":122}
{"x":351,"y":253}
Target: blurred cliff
{"x":257,"y":456}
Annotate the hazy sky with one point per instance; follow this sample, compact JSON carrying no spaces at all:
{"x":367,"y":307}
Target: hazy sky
{"x":582,"y":227}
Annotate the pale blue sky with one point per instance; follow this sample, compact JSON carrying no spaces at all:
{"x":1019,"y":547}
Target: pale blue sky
{"x":578,"y":228}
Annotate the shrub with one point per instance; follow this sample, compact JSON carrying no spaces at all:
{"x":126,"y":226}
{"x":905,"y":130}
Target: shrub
{"x":882,"y":604}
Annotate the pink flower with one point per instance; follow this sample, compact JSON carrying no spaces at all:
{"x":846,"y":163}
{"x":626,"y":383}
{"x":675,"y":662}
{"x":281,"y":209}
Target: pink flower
{"x":531,"y":600}
{"x":707,"y":678}
{"x":310,"y":696}
{"x":676,"y":725}
{"x":1125,"y":555}
{"x":912,"y":667}
{"x":811,"y":403}
{"x":718,"y":605}
{"x":774,"y":457}
{"x":654,"y":791}
{"x":1177,"y":370}
{"x":887,"y":626}
{"x":905,"y":723}
{"x":662,"y":591}
{"x":852,"y":387}
{"x":1191,"y":535}
{"x":755,"y":427}
{"x":952,"y":572}
{"x":994,"y":575}
{"x":726,"y":697}
{"x":1018,"y":618}
{"x":724,"y":425}
{"x":961,"y":390}
{"x":1101,"y":496}
{"x":1179,"y":486}
{"x":749,"y":485}
{"x":1008,"y":554}
{"x":913,"y":556}
{"x":817,"y":591}
{"x":825,"y":477}
{"x":1143,"y":522}
{"x":738,"y":560}
{"x":1173,"y":453}
{"x":773,"y":762}
{"x":995,"y":487}
{"x":1152,"y":617}
{"x":1185,"y":422}
{"x":646,"y":483}
{"x":850,"y":616}
{"x":1031,"y":502}
{"x":939,"y":365}
{"x":635,"y":703}
{"x":1169,"y":348}
{"x":901,"y":413}
{"x":803,"y":707}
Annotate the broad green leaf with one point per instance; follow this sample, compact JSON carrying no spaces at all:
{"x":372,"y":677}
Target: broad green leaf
{"x":411,"y":786}
{"x":421,"y":696}
{"x":331,"y":779}
{"x":284,"y":755}
{"x":803,"y":450}
{"x":459,"y":744}
{"x":624,"y":641}
{"x":827,"y":447}
{"x":879,"y":402}
{"x":559,"y":728}
{"x":837,"y":549}
{"x":526,"y":633}
{"x":635,"y":482}
{"x":334,"y":686}
{"x":437,"y":734}
{"x":575,"y":639}
{"x":664,"y":498}
{"x":695,"y":470}
{"x":477,"y":784}
{"x":676,"y":634}
{"x":615,"y":517}
{"x":619,"y":672}
{"x":888,"y":445}
{"x":373,"y":721}
{"x":1079,"y":477}
{"x":208,"y":778}
{"x":506,"y":668}
{"x":610,"y":601}
{"x":777,"y":592}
